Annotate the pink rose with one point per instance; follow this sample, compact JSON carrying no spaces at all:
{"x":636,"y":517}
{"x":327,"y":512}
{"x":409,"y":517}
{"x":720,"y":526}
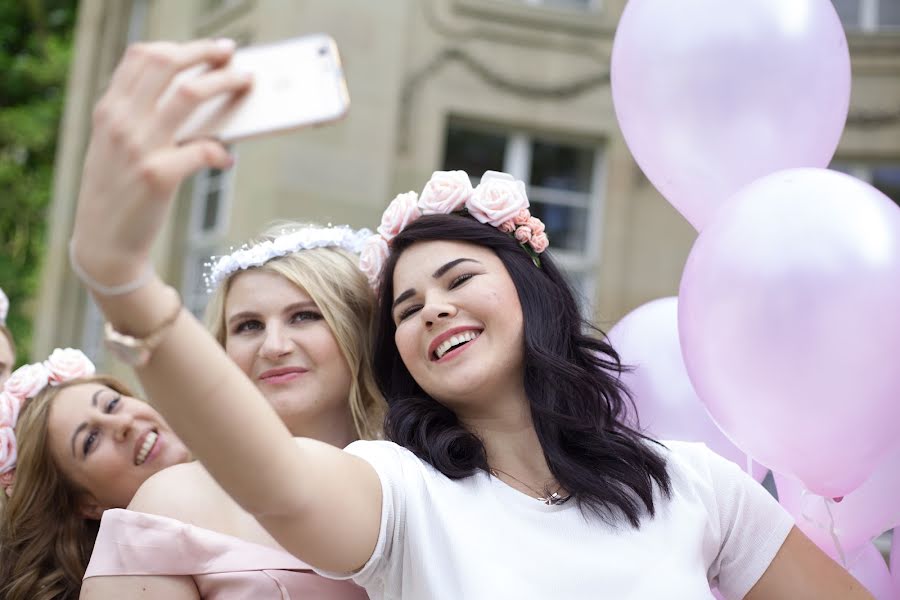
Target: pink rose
{"x":66,"y":364}
{"x":539,"y":242}
{"x":7,"y":480}
{"x":27,"y":381}
{"x":498,"y":198}
{"x":400,"y":213}
{"x":523,"y":235}
{"x":372,"y":258}
{"x":522,"y":217}
{"x":507,"y":226}
{"x":536,"y":225}
{"x":445,"y":192}
{"x":7,"y":449}
{"x":9,"y":410}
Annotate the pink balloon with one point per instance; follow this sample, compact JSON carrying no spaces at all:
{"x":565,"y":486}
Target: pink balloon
{"x":870,"y":569}
{"x":790,"y":325}
{"x":667,"y":405}
{"x":711,"y":95}
{"x":863,"y":514}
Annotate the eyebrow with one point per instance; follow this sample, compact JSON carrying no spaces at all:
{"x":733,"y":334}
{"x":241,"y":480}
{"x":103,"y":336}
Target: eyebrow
{"x":84,"y":425}
{"x":440,"y":271}
{"x":247,"y":314}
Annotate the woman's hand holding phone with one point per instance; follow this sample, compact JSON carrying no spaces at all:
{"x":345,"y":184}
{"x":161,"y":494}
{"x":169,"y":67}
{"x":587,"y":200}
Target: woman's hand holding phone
{"x":133,"y":164}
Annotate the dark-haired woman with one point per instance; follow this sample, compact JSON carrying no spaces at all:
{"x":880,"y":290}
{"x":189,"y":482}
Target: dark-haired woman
{"x":508,"y":475}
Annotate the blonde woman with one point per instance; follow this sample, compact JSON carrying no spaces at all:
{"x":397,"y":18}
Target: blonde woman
{"x":72,"y":444}
{"x":293,"y":311}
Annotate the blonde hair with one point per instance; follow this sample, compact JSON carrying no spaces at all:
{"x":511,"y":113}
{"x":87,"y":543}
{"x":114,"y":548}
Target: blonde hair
{"x":332,"y":278}
{"x":45,"y":543}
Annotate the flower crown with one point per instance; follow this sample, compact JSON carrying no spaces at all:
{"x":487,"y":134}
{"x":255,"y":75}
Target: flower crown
{"x":499,"y":200}
{"x":26,"y":382}
{"x":4,"y":307}
{"x":290,"y":241}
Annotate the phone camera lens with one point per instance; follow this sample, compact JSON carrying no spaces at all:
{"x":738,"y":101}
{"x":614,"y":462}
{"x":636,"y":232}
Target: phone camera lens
{"x":323,"y":51}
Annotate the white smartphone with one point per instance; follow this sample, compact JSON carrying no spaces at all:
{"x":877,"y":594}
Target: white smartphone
{"x":296,"y":83}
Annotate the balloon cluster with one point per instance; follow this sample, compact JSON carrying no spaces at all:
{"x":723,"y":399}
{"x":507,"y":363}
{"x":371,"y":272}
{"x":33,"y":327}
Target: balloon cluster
{"x":780,"y":347}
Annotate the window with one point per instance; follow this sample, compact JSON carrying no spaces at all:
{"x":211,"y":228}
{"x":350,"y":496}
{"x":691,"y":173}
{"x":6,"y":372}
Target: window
{"x":208,"y":222}
{"x":882,"y":176}
{"x":563,"y":177}
{"x":869,"y":15}
{"x":92,"y":332}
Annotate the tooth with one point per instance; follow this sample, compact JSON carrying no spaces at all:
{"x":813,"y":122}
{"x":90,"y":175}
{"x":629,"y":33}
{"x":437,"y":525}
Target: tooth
{"x":146,"y":447}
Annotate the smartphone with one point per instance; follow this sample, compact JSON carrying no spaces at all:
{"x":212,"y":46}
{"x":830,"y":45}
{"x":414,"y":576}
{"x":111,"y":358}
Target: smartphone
{"x":296,"y":83}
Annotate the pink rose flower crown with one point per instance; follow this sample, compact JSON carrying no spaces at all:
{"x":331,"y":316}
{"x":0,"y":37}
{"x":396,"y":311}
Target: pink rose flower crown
{"x":26,"y":382}
{"x":499,"y":200}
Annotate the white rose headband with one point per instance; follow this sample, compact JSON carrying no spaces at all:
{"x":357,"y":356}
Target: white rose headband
{"x":499,"y":200}
{"x":219,"y":268}
{"x":26,"y":382}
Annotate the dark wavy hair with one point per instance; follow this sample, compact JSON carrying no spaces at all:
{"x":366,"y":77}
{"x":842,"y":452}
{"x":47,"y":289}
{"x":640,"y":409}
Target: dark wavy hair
{"x":571,"y":379}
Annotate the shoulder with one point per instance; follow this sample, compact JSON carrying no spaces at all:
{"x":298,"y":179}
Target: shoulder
{"x":383,"y":454}
{"x":185,"y":492}
{"x":696,"y":460}
{"x":379,"y":448}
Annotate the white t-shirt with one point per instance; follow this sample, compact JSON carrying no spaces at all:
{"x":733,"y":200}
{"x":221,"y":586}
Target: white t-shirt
{"x":479,"y":538}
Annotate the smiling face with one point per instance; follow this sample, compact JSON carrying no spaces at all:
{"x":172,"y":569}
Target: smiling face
{"x":278,"y":337}
{"x":108,"y":444}
{"x":459,"y":323}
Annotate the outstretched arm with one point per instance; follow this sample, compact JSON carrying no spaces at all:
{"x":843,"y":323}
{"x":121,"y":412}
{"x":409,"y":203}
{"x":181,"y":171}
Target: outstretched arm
{"x":320,"y":503}
{"x":801,"y":571}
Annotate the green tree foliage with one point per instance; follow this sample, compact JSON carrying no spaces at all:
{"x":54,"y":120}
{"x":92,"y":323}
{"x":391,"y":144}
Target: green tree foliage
{"x":35,"y":48}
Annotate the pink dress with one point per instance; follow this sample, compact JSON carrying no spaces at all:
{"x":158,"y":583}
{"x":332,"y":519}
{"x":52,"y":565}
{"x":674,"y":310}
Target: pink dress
{"x":223,"y":567}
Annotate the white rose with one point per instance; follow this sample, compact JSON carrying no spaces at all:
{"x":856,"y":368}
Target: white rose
{"x":257,"y":255}
{"x":402,"y":211}
{"x":27,"y":381}
{"x":67,"y":364}
{"x":225,"y":266}
{"x":499,"y":197}
{"x":371,"y":259}
{"x":285,"y":244}
{"x":445,"y":192}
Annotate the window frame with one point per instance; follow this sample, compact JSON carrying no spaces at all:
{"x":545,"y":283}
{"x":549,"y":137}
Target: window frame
{"x":580,"y":266}
{"x":201,"y":242}
{"x":869,"y":19}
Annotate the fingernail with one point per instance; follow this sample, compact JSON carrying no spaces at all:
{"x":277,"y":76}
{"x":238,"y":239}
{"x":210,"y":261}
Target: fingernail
{"x":226,"y":43}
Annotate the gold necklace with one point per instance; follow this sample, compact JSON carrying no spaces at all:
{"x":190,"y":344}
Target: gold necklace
{"x":552,"y":499}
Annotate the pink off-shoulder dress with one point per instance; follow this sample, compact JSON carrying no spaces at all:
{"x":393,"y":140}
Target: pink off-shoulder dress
{"x":223,"y":567}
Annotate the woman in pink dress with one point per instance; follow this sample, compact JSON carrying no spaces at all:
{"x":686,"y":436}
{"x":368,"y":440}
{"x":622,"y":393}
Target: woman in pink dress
{"x":71,"y":445}
{"x":293,"y":311}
